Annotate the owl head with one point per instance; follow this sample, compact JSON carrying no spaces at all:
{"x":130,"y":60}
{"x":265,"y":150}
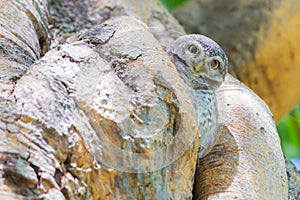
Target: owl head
{"x":199,"y":59}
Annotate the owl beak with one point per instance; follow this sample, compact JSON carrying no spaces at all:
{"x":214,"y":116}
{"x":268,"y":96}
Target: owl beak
{"x":198,"y":68}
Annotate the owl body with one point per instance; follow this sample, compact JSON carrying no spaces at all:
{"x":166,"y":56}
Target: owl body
{"x":206,"y":109}
{"x":202,"y":64}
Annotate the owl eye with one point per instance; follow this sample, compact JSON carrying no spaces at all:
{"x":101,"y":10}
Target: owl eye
{"x":215,"y":64}
{"x":193,"y":49}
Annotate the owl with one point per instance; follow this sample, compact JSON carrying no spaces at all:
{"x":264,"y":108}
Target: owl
{"x":203,"y":65}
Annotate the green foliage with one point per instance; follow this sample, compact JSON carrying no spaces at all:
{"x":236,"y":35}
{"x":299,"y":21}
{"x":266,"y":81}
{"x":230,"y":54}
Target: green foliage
{"x":289,"y":132}
{"x":171,"y":4}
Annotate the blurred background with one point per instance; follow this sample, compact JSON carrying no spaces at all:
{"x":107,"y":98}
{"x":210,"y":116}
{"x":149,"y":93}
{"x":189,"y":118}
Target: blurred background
{"x":261,"y":40}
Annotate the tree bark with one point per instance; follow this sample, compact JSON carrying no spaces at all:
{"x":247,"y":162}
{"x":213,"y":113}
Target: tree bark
{"x":104,"y":114}
{"x":111,"y":113}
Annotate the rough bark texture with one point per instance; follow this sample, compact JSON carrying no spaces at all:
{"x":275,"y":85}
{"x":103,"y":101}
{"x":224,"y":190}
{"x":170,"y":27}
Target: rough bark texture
{"x":72,"y":16}
{"x":19,"y":47}
{"x":261,"y":39}
{"x":93,"y":112}
{"x":23,"y":39}
{"x":102,"y":118}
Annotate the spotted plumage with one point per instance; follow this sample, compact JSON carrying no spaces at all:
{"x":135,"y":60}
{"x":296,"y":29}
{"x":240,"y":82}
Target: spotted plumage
{"x":203,"y":65}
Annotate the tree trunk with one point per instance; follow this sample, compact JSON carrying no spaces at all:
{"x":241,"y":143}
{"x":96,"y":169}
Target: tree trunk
{"x":104,"y":114}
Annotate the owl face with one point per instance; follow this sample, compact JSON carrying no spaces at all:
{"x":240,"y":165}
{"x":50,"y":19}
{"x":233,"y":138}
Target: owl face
{"x":200,"y":59}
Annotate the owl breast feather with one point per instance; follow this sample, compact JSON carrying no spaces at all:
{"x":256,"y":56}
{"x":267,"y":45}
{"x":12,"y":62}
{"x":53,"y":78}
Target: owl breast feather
{"x":206,"y":107}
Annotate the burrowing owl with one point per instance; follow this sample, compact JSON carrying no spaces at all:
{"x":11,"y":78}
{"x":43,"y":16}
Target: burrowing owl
{"x":202,"y":64}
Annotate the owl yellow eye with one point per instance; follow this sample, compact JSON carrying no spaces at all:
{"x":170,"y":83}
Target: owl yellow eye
{"x":193,"y":49}
{"x":215,"y":64}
